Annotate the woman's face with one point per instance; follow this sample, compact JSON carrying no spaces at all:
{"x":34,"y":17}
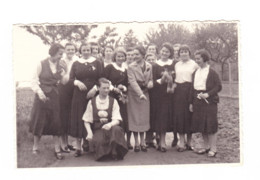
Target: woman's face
{"x":70,"y":51}
{"x":165,"y":53}
{"x":94,"y":50}
{"x":108,"y":53}
{"x":137,"y":56}
{"x":120,"y":58}
{"x":151,"y":49}
{"x":85,"y":51}
{"x":175,"y":52}
{"x":58,"y":55}
{"x":199,"y":60}
{"x":151,"y":59}
{"x":184,"y":54}
{"x":129,"y":57}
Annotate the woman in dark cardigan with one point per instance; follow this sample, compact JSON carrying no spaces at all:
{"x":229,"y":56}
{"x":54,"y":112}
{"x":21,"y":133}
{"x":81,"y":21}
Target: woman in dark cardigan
{"x":204,"y":98}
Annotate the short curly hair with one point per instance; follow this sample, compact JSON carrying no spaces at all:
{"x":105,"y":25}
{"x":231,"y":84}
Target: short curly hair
{"x":54,"y":49}
{"x":204,"y":54}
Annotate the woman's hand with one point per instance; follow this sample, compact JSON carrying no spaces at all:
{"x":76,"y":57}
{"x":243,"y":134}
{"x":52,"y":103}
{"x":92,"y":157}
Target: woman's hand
{"x":80,"y":85}
{"x":91,"y":93}
{"x":107,"y":126}
{"x":122,"y":87}
{"x":143,"y":97}
{"x":117,"y":90}
{"x":42,"y":96}
{"x":150,"y":85}
{"x":204,"y":95}
{"x":63,"y":65}
{"x":103,"y":120}
{"x":89,"y":136}
{"x":191,"y":108}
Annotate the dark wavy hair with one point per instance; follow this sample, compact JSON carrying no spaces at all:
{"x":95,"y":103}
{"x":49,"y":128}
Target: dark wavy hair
{"x":184,"y":47}
{"x":204,"y":54}
{"x":54,"y":49}
{"x":84,"y":44}
{"x":140,"y":49}
{"x":169,"y":47}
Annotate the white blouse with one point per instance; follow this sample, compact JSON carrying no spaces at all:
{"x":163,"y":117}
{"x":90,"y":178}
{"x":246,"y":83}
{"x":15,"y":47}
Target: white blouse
{"x":66,"y":76}
{"x":201,"y":78}
{"x":101,"y":105}
{"x":184,"y":71}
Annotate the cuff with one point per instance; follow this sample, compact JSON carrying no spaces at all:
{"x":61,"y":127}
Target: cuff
{"x":76,"y":82}
{"x":159,"y":81}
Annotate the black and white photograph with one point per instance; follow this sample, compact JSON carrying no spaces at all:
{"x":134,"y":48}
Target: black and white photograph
{"x":127,"y":93}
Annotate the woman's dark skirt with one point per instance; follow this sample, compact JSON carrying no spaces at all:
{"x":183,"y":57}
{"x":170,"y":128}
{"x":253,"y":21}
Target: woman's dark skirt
{"x":78,"y":107}
{"x":65,"y":92}
{"x":204,"y":117}
{"x":45,"y":116}
{"x":181,"y":115}
{"x":103,"y":140}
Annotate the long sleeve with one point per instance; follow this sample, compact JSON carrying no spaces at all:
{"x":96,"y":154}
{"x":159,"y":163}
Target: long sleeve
{"x":216,"y":83}
{"x":35,"y":81}
{"x":133,"y":82}
{"x":116,"y":112}
{"x":88,"y":114}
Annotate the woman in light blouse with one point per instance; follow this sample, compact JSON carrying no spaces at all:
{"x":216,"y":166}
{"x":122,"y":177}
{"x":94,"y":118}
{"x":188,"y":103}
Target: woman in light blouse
{"x":45,"y":114}
{"x":182,"y":116}
{"x":204,"y":99}
{"x":102,"y":119}
{"x":138,"y":108}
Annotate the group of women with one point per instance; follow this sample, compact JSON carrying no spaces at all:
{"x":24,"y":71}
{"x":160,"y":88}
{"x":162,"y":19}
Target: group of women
{"x":158,"y":91}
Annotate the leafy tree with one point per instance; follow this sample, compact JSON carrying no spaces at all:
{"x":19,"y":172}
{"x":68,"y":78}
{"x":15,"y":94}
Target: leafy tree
{"x":220,"y":39}
{"x":108,"y":38}
{"x":130,"y":40}
{"x":56,"y":33}
{"x":173,"y":33}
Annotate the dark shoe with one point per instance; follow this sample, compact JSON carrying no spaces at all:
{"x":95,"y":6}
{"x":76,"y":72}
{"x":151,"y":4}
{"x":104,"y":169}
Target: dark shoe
{"x":150,"y":145}
{"x":174,"y":142}
{"x":71,"y":147}
{"x":162,"y":149}
{"x":212,"y":153}
{"x":85,"y":146}
{"x":77,"y":153}
{"x":202,"y":151}
{"x":143,"y":148}
{"x":65,"y":150}
{"x":181,"y":149}
{"x":137,"y":149}
{"x":189,"y":148}
{"x":58,"y":155}
{"x":130,"y":147}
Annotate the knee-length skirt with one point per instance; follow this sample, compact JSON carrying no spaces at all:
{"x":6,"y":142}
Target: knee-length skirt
{"x":45,"y":116}
{"x":103,"y":140}
{"x":138,"y":112}
{"x":204,"y":117}
{"x":182,"y":115}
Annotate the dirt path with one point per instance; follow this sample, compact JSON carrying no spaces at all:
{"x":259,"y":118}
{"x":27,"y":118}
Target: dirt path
{"x":152,"y":157}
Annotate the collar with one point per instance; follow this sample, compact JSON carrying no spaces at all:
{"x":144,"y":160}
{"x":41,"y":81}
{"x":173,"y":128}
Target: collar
{"x":89,"y":60}
{"x":54,"y":63}
{"x":122,"y":68}
{"x":204,"y":68}
{"x":163,"y":63}
{"x":101,"y":100}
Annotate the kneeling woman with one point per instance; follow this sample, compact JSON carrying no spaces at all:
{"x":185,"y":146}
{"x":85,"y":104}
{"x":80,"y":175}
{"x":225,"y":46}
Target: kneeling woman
{"x":103,"y":117}
{"x":204,"y":99}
